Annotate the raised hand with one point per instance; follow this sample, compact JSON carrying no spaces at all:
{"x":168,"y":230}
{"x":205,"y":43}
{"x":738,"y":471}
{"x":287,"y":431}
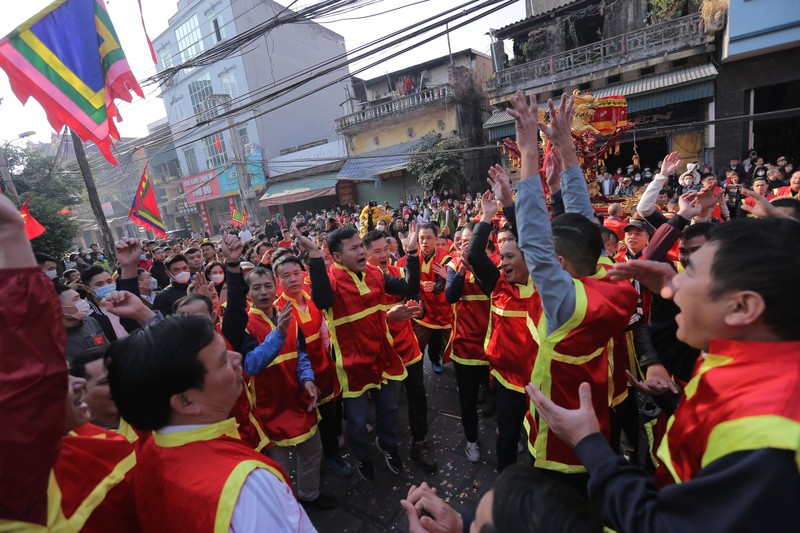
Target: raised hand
{"x":654,"y":275}
{"x":570,"y":425}
{"x":128,"y":252}
{"x":488,"y":206}
{"x":413,"y":237}
{"x":501,"y":185}
{"x":689,"y":206}
{"x":306,"y":244}
{"x":763,"y":207}
{"x":231,"y":247}
{"x":202,"y":286}
{"x":440,"y":270}
{"x":552,"y":171}
{"x":284,"y":318}
{"x":559,"y":131}
{"x":125,"y":304}
{"x":526,"y":117}
{"x":670,"y":164}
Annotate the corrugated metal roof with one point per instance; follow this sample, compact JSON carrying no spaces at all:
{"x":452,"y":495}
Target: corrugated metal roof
{"x":284,"y":190}
{"x":509,"y":28}
{"x":369,"y":165}
{"x":649,"y":92}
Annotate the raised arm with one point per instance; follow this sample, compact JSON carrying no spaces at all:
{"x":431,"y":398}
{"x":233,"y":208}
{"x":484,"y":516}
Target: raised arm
{"x":33,"y":376}
{"x":408,"y":286}
{"x":554,"y":284}
{"x":647,"y":203}
{"x":321,"y":290}
{"x":574,"y":192}
{"x":234,"y":320}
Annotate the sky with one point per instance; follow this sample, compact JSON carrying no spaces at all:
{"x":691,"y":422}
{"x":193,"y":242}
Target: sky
{"x":16,"y":118}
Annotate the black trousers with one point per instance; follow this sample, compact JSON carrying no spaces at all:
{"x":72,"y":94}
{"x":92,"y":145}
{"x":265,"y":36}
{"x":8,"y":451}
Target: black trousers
{"x":414,"y":385}
{"x":330,"y":427}
{"x":469,"y":379}
{"x":511,"y":409}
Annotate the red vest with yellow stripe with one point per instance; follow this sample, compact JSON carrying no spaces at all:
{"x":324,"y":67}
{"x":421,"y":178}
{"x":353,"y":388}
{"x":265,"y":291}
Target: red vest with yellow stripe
{"x":91,"y":488}
{"x":310,"y":322}
{"x":360,"y":336}
{"x":509,"y":345}
{"x":281,"y":403}
{"x":190,"y":480}
{"x":471,"y":321}
{"x":438,"y":313}
{"x":743,"y":396}
{"x":404,"y":341}
{"x":576,"y":352}
{"x":786,"y":191}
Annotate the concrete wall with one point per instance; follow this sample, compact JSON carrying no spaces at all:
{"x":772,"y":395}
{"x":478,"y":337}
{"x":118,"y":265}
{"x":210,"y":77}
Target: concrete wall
{"x":404,"y":128}
{"x":284,"y":52}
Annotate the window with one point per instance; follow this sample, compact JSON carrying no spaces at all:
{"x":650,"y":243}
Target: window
{"x":229,"y":86}
{"x":190,"y":42}
{"x":165,"y":58}
{"x":191,"y":161}
{"x":214,"y":157}
{"x":217,"y":29}
{"x":178,"y":113}
{"x":199,"y":91}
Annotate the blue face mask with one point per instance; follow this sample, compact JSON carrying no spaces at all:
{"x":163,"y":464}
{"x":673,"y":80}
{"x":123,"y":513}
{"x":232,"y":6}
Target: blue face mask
{"x":102,"y":292}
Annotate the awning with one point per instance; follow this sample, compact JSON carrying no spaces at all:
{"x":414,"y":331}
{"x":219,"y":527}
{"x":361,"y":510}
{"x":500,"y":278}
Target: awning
{"x":299,"y":189}
{"x":683,"y":85}
{"x":370,"y":165}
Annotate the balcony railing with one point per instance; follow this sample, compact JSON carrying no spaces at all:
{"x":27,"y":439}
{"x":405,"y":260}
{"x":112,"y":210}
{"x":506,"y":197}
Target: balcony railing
{"x":652,"y":41}
{"x":405,"y":104}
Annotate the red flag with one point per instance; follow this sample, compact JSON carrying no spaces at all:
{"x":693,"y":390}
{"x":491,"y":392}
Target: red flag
{"x":149,"y":42}
{"x":144,"y":209}
{"x":32,"y":227}
{"x":217,"y":143}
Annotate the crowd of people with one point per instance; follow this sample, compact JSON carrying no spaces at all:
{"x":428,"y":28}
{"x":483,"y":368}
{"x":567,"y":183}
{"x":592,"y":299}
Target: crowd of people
{"x":650,"y":359}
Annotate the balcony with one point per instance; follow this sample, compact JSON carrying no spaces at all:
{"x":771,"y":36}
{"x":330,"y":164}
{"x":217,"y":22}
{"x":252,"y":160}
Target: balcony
{"x":650,"y":42}
{"x":399,"y":106}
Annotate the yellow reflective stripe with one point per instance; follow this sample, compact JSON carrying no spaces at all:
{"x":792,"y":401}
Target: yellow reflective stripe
{"x":573,"y":360}
{"x":558,"y":467}
{"x":752,"y":433}
{"x":414,"y":360}
{"x":300,"y":438}
{"x":356,"y":316}
{"x":312,"y":338}
{"x":509,"y":312}
{"x":230,"y":494}
{"x":505,"y":382}
{"x":664,"y":453}
{"x":22,"y":527}
{"x":431,"y":326}
{"x":226,"y":428}
{"x":305,"y":316}
{"x":648,"y":429}
{"x":526,"y":291}
{"x":711,"y":361}
{"x":360,"y":282}
{"x":98,"y":494}
{"x":337,"y":362}
{"x":56,"y":521}
{"x":127,"y":431}
{"x":527,"y":426}
{"x":474,"y":298}
{"x":282,"y":358}
{"x":469,"y":362}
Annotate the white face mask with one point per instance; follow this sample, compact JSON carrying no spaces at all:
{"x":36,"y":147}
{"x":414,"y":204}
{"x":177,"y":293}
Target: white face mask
{"x":182,"y":277}
{"x":217,"y":278}
{"x":52,"y":274}
{"x":83,"y":309}
{"x":153,"y":284}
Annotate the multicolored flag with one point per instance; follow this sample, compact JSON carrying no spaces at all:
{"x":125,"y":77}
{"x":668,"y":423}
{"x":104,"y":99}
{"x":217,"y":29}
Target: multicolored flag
{"x":32,"y":227}
{"x":238,"y":218}
{"x":69,"y":59}
{"x":144,"y":210}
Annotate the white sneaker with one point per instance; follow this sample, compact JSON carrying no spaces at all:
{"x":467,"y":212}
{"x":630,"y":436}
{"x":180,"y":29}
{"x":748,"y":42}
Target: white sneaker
{"x":473,"y":452}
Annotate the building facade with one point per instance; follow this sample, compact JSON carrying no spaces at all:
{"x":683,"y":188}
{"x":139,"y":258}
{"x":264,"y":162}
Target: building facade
{"x":226,"y":169}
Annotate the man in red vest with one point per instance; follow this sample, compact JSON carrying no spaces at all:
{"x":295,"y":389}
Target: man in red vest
{"x":351,"y":293}
{"x":729,"y":457}
{"x":399,"y":315}
{"x":177,"y":379}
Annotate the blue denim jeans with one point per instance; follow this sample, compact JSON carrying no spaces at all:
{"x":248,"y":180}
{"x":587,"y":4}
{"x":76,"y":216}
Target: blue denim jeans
{"x":357,"y":409}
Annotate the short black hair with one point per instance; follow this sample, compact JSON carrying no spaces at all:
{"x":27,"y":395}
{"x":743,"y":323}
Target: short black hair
{"x":784,"y":201}
{"x":526,"y":501}
{"x":211,"y":244}
{"x":259,"y":271}
{"x":338,"y":235}
{"x":191,"y":250}
{"x":286,"y":259}
{"x":433,"y":226}
{"x":62,"y":288}
{"x":77,"y":367}
{"x":578,"y":239}
{"x":148,"y":367}
{"x":699,"y":229}
{"x":778,"y":243}
{"x":606,"y":233}
{"x":373,"y":236}
{"x":189,"y":298}
{"x":280,"y":252}
{"x":43,"y":258}
{"x":89,"y":273}
{"x":175,"y":258}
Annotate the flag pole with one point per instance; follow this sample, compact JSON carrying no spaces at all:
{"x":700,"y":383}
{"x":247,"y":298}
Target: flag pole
{"x":94,"y":200}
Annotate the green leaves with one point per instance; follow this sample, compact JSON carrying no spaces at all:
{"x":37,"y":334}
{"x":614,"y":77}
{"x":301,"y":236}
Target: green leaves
{"x":437,"y":161}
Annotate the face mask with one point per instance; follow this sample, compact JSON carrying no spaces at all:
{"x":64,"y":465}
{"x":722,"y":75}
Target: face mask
{"x":217,"y":278}
{"x":83,"y":309}
{"x":153,"y":284}
{"x":101,"y":257}
{"x":143,"y":257}
{"x":52,"y":274}
{"x":102,"y":292}
{"x":182,"y":277}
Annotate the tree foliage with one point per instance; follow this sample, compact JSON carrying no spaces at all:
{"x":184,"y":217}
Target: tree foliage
{"x":51,"y":189}
{"x":433,"y":163}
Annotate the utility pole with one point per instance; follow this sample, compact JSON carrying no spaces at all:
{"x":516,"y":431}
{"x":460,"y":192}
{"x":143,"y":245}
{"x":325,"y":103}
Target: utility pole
{"x":5,"y":175}
{"x":94,"y":200}
{"x":449,"y":50}
{"x":242,"y":174}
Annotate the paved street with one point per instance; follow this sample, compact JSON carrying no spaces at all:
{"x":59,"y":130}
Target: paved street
{"x":372,"y":507}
